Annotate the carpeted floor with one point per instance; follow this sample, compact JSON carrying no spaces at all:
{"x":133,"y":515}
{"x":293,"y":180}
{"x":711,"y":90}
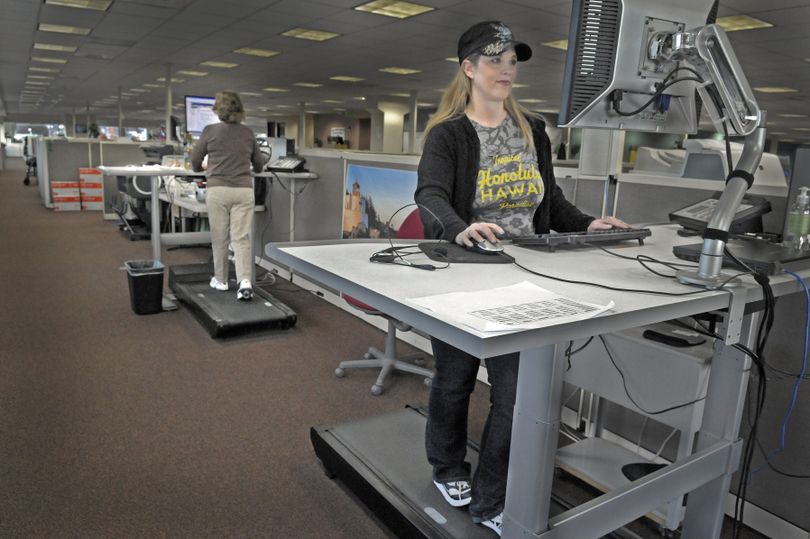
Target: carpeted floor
{"x":119,"y":425}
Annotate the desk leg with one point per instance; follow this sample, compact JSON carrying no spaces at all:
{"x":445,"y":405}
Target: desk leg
{"x":292,"y":209}
{"x":722,"y":413}
{"x":155,"y":183}
{"x":535,"y":430}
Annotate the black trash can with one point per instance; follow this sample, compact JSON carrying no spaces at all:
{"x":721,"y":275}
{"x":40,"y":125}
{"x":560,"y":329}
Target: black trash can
{"x":145,"y":285}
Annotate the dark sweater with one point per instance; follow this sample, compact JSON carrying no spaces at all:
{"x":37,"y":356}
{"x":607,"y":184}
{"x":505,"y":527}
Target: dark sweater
{"x":448,"y":171}
{"x":231,"y":149}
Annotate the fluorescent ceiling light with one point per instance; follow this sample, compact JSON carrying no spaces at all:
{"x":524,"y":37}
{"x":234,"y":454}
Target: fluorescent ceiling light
{"x":191,"y":73}
{"x":54,"y":47}
{"x":61,"y":29}
{"x":735,"y":23}
{"x":346,"y":78}
{"x":518,"y":85}
{"x":97,"y":5}
{"x":275,"y":90}
{"x":400,"y":94}
{"x":360,"y":98}
{"x":48,"y":60}
{"x":223,"y":65}
{"x":43,"y":69}
{"x":152,"y":85}
{"x":789,"y":115}
{"x":532,"y":100}
{"x":307,"y":84}
{"x":775,"y":89}
{"x":36,"y":83}
{"x":332,"y":101}
{"x":400,"y":70}
{"x":46,"y":77}
{"x":394,"y":8}
{"x":176,"y":81}
{"x":561,"y":44}
{"x":312,"y":35}
{"x":801,"y":128}
{"x":453,"y":59}
{"x":253,"y":94}
{"x":423,"y":105}
{"x":139,"y":90}
{"x":264,"y":53}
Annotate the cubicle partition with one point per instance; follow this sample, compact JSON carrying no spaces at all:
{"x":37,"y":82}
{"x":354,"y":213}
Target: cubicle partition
{"x":59,"y":160}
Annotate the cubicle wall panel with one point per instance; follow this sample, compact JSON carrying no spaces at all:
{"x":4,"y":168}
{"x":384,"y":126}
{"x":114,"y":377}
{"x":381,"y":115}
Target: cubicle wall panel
{"x":590,"y":196}
{"x":318,"y":206}
{"x":782,"y":496}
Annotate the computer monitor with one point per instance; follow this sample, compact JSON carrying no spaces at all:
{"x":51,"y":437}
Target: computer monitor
{"x":608,"y":67}
{"x":199,"y":113}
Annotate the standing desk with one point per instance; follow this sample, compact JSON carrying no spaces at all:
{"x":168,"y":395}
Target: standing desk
{"x":706,"y":474}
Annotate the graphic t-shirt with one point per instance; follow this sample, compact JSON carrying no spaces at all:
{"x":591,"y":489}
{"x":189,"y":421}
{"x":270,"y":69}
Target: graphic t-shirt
{"x":509,"y":186}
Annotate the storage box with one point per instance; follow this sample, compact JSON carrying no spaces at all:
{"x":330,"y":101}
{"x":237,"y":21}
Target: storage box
{"x":92,"y":189}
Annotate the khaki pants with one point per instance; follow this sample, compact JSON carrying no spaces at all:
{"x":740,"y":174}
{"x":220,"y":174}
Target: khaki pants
{"x":230,"y":216}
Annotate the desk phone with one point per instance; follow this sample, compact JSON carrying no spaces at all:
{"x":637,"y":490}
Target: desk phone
{"x":286,"y":164}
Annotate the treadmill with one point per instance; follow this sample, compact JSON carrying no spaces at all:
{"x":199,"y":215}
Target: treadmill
{"x":381,"y":460}
{"x":219,"y":312}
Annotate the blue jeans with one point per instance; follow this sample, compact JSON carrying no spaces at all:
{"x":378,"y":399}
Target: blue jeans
{"x":446,"y":433}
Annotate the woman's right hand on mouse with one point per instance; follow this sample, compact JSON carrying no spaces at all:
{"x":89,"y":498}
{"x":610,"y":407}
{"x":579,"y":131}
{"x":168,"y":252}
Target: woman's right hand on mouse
{"x":478,"y":232}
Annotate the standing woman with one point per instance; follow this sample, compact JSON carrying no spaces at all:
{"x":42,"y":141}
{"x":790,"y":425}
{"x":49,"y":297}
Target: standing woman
{"x":485,"y":172}
{"x":232,"y":149}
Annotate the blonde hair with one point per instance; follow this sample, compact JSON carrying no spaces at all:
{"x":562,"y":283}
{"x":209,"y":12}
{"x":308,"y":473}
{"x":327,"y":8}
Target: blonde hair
{"x":457,"y":96}
{"x":228,"y":107}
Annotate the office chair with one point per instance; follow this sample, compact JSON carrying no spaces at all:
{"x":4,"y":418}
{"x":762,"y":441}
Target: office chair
{"x":387,"y":360}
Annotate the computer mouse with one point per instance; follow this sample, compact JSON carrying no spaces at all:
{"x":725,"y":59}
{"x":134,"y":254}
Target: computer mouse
{"x":486,"y":247}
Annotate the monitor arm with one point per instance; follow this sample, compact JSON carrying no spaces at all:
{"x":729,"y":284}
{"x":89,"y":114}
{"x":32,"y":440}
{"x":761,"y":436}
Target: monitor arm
{"x":730,"y":102}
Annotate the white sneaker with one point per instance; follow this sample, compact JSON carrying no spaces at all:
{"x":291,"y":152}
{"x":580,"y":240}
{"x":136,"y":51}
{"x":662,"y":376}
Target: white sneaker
{"x":495,"y":523}
{"x":245,"y":291}
{"x":218,"y":285}
{"x":456,"y":493}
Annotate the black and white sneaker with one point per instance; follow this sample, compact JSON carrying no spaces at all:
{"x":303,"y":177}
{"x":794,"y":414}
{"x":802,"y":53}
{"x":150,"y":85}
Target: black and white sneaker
{"x":457,"y":493}
{"x":495,"y":523}
{"x":245,"y":292}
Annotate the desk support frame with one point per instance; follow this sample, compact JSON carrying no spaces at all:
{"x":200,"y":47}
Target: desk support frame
{"x":725,"y":401}
{"x":534,"y":439}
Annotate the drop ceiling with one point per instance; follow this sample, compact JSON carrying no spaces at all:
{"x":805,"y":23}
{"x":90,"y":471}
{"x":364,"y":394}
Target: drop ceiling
{"x":130,"y":44}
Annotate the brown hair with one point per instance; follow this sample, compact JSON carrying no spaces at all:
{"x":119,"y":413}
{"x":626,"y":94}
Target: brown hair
{"x":228,"y":107}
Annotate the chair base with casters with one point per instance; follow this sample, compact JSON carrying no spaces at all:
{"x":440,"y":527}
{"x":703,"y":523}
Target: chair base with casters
{"x":387,"y":361}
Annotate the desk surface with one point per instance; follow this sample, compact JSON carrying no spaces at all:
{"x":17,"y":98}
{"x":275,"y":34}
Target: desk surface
{"x":158,"y":170}
{"x":344,"y":265}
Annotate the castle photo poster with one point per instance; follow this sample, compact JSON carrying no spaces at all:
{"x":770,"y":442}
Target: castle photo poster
{"x":372,"y":195}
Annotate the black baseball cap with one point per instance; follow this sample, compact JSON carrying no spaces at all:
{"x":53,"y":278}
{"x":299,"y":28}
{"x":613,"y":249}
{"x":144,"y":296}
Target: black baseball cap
{"x":490,"y":38}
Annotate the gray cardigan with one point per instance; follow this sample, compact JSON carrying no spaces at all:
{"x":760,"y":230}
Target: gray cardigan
{"x":447,"y":178}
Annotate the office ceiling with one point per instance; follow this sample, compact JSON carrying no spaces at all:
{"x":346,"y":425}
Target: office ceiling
{"x":130,"y":44}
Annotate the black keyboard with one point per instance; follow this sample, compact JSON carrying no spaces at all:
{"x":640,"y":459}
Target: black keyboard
{"x":555,"y":239}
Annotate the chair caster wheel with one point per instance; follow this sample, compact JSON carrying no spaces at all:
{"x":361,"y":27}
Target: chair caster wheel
{"x":428,"y":381}
{"x":377,"y":390}
{"x":340,"y":372}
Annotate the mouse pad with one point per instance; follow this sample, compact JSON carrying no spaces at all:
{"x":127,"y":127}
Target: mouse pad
{"x":456,"y":254}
